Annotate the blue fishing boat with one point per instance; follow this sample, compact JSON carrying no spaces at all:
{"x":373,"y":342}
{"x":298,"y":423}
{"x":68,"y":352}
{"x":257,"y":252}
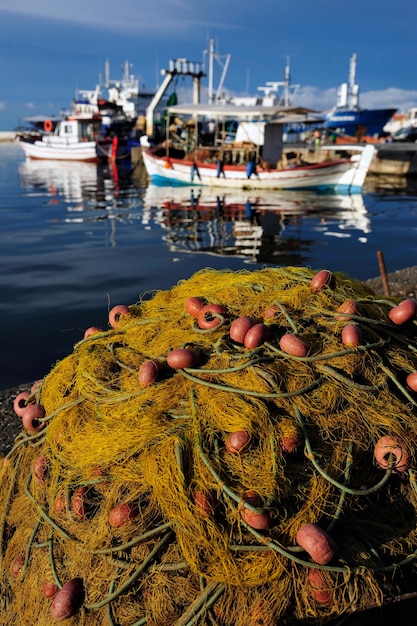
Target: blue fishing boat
{"x":348,"y":118}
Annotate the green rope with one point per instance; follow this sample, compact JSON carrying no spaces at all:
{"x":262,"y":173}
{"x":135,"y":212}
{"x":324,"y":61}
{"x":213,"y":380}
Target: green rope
{"x":335,"y":483}
{"x":325,"y":356}
{"x":52,"y":560}
{"x":276,"y":547}
{"x":347,"y":381}
{"x":44,"y":514}
{"x":287,"y":316}
{"x":257,"y":394}
{"x":342,"y":496}
{"x":222,"y":485}
{"x":25,"y":439}
{"x":222,"y":321}
{"x":398,"y":384}
{"x":204,"y":601}
{"x":7,"y":501}
{"x":99,"y":335}
{"x":227,"y":370}
{"x":134,"y":542}
{"x":61,"y":408}
{"x":115,"y":594}
{"x":28,"y":549}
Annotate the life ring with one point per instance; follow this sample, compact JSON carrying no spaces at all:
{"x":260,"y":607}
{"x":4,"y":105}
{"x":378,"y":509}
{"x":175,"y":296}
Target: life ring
{"x":48,"y":126}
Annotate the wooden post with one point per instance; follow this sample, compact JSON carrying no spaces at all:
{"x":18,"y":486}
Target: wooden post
{"x":383,"y":272}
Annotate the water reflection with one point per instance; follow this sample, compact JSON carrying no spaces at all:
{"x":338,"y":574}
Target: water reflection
{"x":264,"y":228}
{"x":392,"y":185}
{"x":86,"y":193}
{"x":66,"y":181}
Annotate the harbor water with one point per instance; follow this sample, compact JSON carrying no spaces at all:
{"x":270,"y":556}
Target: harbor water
{"x":79,"y":238}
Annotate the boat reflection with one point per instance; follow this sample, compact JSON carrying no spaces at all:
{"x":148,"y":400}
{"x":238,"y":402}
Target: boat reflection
{"x":262,"y":228}
{"x":93,"y":190}
{"x":282,"y":227}
{"x":89,"y":194}
{"x":56,"y":178}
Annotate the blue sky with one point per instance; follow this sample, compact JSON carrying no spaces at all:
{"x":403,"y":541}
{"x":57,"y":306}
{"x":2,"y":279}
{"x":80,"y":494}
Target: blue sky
{"x":50,"y":48}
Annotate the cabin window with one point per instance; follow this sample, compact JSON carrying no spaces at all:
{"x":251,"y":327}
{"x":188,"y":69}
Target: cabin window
{"x":86,"y":131}
{"x":68,"y":129}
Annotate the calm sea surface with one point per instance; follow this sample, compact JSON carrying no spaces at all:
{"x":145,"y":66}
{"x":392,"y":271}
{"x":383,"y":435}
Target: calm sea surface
{"x":76,"y":239}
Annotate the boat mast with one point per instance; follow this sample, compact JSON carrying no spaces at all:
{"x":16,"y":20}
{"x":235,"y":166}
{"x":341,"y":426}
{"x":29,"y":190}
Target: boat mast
{"x":287,"y":81}
{"x":177,"y":67}
{"x":213,"y":56}
{"x":353,"y":101}
{"x":271,"y":89}
{"x":107,"y":73}
{"x":210,"y":76}
{"x":348,"y":93}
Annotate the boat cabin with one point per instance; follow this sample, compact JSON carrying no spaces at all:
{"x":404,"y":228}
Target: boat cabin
{"x":233,"y":133}
{"x":76,"y":130}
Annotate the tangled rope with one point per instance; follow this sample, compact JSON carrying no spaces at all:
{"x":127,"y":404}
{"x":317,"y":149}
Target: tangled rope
{"x":238,"y":450}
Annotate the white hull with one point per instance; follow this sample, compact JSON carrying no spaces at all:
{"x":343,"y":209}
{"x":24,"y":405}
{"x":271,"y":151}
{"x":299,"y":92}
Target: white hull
{"x":82,"y":151}
{"x":338,"y":175}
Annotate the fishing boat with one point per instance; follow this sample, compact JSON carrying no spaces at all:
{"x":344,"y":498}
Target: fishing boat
{"x":230,"y":146}
{"x":402,"y":125}
{"x":83,"y":138}
{"x":348,"y":118}
{"x":123,"y":95}
{"x":72,"y":140}
{"x":95,"y":128}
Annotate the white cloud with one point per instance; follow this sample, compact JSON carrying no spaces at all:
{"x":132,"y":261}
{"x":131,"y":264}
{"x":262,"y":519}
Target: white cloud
{"x":154,"y":17}
{"x":325,"y":99}
{"x":315,"y":98}
{"x":395,"y":98}
{"x":401,"y":99}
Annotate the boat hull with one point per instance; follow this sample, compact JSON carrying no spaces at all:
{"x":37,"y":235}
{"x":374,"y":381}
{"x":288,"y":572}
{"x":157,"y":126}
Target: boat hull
{"x":83,"y":151}
{"x":363,"y":122}
{"x":344,"y":175}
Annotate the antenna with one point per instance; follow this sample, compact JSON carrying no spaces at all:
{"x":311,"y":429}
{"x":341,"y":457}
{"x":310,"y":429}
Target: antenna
{"x":353,"y":91}
{"x":352,"y":70}
{"x":213,"y":56}
{"x":272,"y":88}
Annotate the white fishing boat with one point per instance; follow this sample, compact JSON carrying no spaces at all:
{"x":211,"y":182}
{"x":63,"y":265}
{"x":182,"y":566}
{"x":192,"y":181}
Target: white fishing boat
{"x":96,"y":128}
{"x":203,"y":151}
{"x":227,"y":145}
{"x":72,"y":140}
{"x":123,"y":96}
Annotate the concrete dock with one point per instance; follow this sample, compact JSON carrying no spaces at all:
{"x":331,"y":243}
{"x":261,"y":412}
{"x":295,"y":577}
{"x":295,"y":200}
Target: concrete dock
{"x":395,"y":159}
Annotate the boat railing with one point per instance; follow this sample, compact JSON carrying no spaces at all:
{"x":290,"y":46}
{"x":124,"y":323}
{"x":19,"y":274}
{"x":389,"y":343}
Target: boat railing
{"x":229,"y":154}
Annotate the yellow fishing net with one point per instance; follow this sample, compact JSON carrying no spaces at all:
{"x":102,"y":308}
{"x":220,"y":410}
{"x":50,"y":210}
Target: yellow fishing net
{"x":136,"y":492}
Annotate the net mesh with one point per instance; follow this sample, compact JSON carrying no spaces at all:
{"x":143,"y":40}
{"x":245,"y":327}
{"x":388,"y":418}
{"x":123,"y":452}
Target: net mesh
{"x":186,"y":547}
